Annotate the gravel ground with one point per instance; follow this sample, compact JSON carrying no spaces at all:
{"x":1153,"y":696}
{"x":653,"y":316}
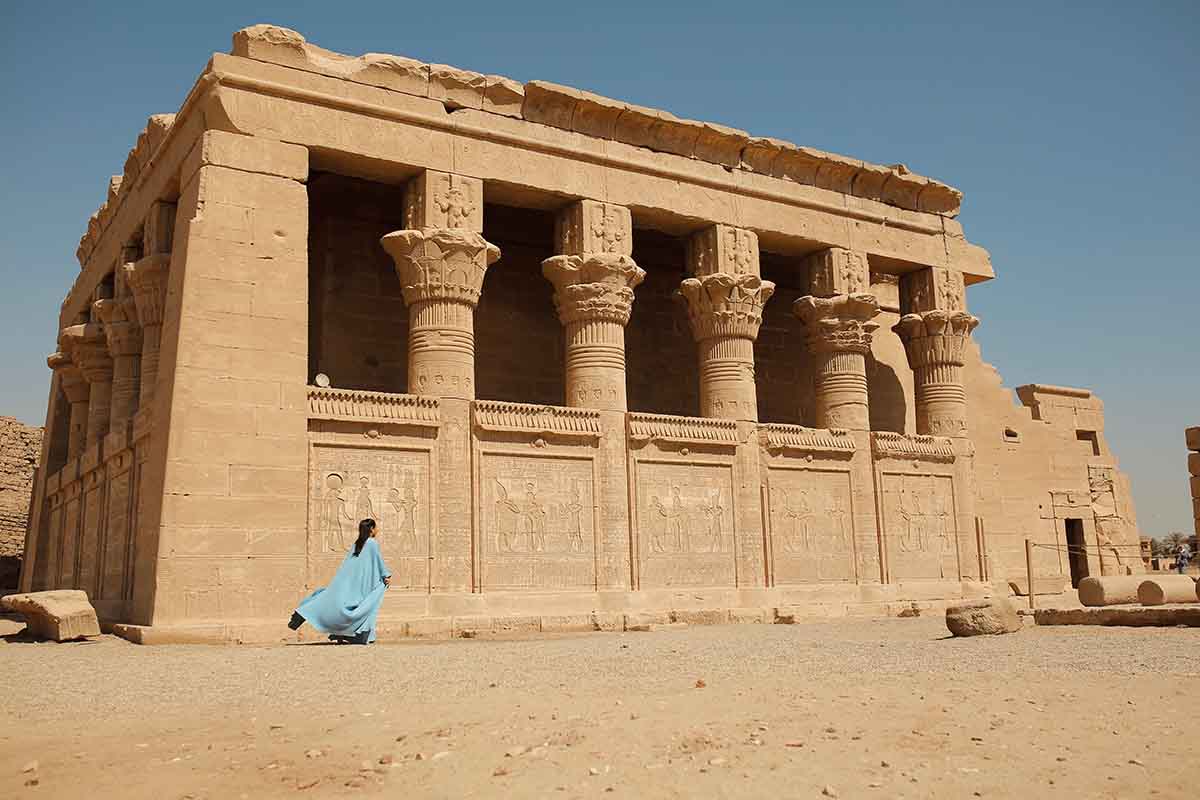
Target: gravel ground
{"x":884,"y":708}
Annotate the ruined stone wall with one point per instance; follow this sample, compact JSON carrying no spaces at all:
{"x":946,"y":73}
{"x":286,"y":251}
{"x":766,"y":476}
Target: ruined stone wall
{"x":1032,"y":474}
{"x":20,"y":446}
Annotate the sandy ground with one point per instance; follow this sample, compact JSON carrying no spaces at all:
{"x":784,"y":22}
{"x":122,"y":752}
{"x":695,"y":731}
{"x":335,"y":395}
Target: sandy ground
{"x":848,"y":708}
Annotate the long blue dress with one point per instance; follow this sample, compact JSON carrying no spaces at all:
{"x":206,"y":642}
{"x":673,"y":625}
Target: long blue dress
{"x":349,"y":605}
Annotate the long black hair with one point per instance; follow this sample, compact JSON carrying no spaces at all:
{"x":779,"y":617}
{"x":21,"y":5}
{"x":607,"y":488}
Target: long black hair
{"x":365,"y":529}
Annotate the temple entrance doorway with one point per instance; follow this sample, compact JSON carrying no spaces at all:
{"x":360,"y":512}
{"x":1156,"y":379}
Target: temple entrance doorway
{"x":1076,"y":551}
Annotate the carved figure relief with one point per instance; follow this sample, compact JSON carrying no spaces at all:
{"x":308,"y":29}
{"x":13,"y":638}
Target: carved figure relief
{"x":811,"y":526}
{"x":686,"y":524}
{"x":349,"y":484}
{"x":537,"y":522}
{"x":920,"y":526}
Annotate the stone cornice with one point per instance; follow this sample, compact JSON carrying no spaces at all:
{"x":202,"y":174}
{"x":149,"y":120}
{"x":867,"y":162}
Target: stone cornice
{"x":781,"y":438}
{"x":499,"y":110}
{"x":352,"y":405}
{"x":499,"y":416}
{"x":886,"y":444}
{"x":686,"y":430}
{"x":604,"y":118}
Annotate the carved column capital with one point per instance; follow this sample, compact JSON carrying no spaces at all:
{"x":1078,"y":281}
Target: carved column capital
{"x":725,"y":301}
{"x":87,"y":346}
{"x":935,"y":337}
{"x":594,"y":277}
{"x":70,"y":377}
{"x":121,"y":328}
{"x":77,"y":391}
{"x":443,"y":200}
{"x":445,"y":264}
{"x":595,"y":286}
{"x":721,"y":304}
{"x":838,"y":324}
{"x":935,"y":342}
{"x":147,"y":282}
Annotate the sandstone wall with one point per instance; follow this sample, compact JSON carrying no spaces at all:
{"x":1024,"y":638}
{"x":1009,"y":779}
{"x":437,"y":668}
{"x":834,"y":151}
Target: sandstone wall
{"x":20,"y":446}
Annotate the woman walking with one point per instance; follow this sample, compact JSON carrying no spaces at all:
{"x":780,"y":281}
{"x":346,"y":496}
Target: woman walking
{"x":346,"y":609}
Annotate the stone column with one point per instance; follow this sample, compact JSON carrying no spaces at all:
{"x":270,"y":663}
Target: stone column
{"x":838,"y":324}
{"x":71,"y":379}
{"x":87,"y":346}
{"x":725,"y":301}
{"x":441,"y":257}
{"x":594,"y":277}
{"x":935,"y":327}
{"x":147,"y":282}
{"x":124,"y":337}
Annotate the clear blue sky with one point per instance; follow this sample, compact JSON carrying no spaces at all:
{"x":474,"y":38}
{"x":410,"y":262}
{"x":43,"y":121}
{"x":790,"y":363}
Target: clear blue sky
{"x":1071,"y":127}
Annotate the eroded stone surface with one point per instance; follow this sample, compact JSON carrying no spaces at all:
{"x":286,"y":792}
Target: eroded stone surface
{"x":993,"y":616}
{"x":59,"y":615}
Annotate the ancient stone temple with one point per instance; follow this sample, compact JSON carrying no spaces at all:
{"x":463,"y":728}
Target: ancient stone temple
{"x":579,"y":359}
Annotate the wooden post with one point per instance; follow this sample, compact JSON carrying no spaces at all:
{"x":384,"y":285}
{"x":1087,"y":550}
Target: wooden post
{"x":1029,"y":569}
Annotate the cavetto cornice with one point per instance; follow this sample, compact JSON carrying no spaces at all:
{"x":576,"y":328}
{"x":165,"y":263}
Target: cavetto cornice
{"x":876,"y":201}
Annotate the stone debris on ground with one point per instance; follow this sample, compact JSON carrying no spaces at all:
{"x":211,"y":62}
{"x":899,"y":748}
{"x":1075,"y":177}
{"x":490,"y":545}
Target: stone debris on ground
{"x":59,"y":615}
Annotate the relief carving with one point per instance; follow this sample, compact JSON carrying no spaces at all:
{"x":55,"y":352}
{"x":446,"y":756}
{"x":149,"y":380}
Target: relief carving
{"x":686,"y":525}
{"x":390,"y":486}
{"x":920,"y":526}
{"x":537,"y":523}
{"x":811,"y":526}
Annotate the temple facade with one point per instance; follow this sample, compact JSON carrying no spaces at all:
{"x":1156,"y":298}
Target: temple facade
{"x":580,"y":359}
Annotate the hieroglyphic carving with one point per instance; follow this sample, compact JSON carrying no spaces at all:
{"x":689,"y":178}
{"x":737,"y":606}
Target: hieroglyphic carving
{"x":812,"y":525}
{"x":349,"y":484}
{"x":837,"y":271}
{"x":440,"y":200}
{"x":592,"y":227}
{"x":932,"y":289}
{"x":362,"y":406}
{"x":920,"y":526}
{"x":536,"y":522}
{"x":723,"y":248}
{"x":1110,"y":526}
{"x":685,"y":523}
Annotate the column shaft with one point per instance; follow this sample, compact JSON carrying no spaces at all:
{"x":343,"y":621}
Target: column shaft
{"x":151,"y":342}
{"x":841,"y":391}
{"x":441,"y":348}
{"x":727,"y":387}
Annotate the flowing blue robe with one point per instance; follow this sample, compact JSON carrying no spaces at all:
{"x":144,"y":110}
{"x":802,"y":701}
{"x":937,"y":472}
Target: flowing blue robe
{"x":349,"y":605}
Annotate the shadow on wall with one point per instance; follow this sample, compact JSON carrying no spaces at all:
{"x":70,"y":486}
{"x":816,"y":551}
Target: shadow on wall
{"x":888,"y":406}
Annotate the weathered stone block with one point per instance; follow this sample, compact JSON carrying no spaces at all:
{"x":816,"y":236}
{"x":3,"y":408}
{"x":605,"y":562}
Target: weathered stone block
{"x":1109,"y":590}
{"x":1162,"y":589}
{"x":993,"y":616}
{"x":60,"y":615}
{"x":1192,"y":438}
